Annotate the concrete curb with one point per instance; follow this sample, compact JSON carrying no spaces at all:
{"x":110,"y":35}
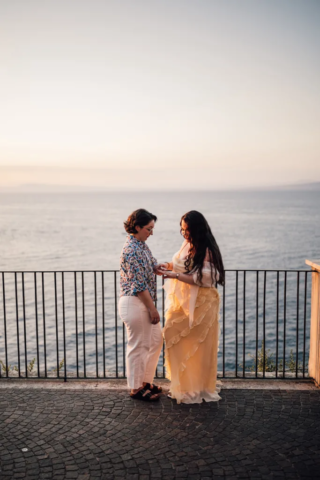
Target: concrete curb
{"x":74,"y":384}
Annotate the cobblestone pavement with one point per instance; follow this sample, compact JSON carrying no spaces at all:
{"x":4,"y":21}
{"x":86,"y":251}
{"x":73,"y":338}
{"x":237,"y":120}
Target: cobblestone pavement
{"x":104,"y":434}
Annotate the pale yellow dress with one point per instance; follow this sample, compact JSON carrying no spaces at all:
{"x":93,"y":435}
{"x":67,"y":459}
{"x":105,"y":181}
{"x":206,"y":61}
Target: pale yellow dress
{"x":191,"y":334}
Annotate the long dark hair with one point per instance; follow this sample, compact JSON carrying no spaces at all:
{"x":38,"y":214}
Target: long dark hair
{"x":201,"y":240}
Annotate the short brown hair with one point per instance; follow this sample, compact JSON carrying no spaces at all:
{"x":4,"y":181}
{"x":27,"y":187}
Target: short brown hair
{"x":140,"y":217}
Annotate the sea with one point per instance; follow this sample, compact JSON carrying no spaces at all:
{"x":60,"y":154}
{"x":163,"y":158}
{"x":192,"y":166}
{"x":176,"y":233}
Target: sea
{"x":68,"y":322}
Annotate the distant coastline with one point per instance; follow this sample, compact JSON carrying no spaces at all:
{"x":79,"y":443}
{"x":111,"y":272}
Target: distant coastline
{"x":52,"y":188}
{"x":301,"y":186}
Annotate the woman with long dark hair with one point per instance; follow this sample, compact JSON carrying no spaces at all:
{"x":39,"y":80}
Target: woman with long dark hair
{"x":191,"y":330}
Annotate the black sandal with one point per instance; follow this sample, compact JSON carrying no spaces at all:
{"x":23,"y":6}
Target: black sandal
{"x":145,"y":395}
{"x":154,"y":389}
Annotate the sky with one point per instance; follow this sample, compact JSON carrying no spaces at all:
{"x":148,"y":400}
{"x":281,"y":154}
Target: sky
{"x":165,"y":94}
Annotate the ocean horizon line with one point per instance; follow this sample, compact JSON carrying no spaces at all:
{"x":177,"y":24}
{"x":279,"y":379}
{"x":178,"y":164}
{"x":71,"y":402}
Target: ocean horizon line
{"x":56,"y":188}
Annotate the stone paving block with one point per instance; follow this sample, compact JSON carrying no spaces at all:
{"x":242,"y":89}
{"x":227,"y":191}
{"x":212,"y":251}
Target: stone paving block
{"x":97,"y":434}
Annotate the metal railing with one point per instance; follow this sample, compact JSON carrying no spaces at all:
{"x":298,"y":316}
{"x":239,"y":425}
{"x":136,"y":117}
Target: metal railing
{"x":64,"y":324}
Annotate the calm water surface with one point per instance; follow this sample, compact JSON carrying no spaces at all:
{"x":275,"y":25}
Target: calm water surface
{"x":73,"y":231}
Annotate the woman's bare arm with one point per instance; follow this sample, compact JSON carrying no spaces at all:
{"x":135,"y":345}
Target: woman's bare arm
{"x":183,"y":277}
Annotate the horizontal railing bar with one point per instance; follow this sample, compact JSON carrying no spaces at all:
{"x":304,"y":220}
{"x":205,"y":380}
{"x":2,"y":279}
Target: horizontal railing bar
{"x":265,"y":379}
{"x":58,"y":271}
{"x":62,"y":379}
{"x":268,"y":270}
{"x":238,"y":379}
{"x":112,"y":271}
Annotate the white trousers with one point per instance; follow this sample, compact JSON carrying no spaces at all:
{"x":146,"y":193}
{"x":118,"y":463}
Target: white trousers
{"x":144,"y":341}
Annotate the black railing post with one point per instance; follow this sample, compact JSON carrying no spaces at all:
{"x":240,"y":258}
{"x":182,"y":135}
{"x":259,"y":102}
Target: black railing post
{"x":116,"y":320}
{"x":44,"y":327}
{"x":4,"y":325}
{"x":83,"y":327}
{"x":284,"y":323}
{"x":96,"y":321}
{"x":156,"y":305}
{"x":264,"y":322}
{"x":305,"y":323}
{"x":24,"y":326}
{"x":277,"y":329}
{"x":244,"y":325}
{"x":36,"y":317}
{"x":76,"y":320}
{"x":64,"y":328}
{"x":103,"y":327}
{"x":237,"y":323}
{"x":224,"y":328}
{"x":57,"y":324}
{"x":124,"y":350}
{"x":163,"y":323}
{"x":257,"y":323}
{"x":297,"y":330}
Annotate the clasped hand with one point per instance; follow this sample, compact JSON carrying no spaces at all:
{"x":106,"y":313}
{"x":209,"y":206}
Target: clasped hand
{"x":162,"y":271}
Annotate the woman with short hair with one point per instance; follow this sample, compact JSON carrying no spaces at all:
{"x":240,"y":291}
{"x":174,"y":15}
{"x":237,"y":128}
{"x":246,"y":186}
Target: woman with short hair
{"x":191,"y":330}
{"x":138,"y":293}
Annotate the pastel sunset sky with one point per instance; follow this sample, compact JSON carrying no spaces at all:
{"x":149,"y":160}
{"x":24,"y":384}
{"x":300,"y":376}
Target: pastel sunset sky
{"x":144,"y":94}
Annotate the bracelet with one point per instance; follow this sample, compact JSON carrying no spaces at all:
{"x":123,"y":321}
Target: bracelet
{"x":177,"y":276}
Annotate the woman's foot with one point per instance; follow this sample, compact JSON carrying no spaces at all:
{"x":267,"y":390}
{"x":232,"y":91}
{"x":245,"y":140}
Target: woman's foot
{"x":153,"y":388}
{"x":144,"y":394}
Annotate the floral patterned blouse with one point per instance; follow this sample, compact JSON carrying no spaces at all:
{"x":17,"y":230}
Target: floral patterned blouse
{"x":136,"y":269}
